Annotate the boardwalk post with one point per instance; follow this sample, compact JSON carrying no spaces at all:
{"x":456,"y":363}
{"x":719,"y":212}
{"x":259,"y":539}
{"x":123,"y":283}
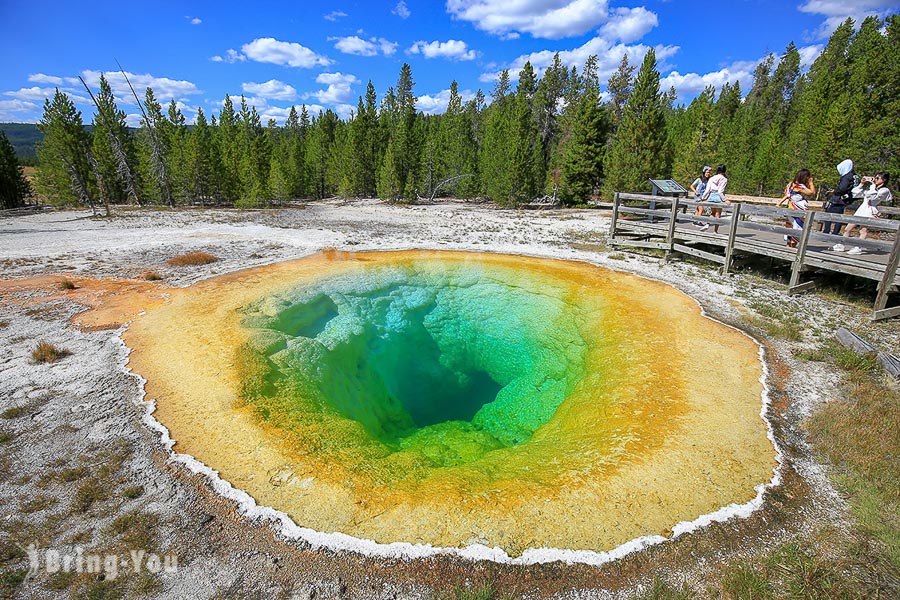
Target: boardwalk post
{"x":732,"y":233}
{"x":670,"y":236}
{"x":615,"y":217}
{"x":887,"y":282}
{"x":795,"y":286}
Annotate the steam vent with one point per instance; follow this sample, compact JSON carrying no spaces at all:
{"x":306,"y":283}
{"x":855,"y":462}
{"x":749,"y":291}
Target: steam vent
{"x":452,"y":399}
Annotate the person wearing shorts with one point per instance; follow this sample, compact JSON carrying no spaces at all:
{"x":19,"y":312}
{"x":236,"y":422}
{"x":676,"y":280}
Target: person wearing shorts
{"x":715,"y":192}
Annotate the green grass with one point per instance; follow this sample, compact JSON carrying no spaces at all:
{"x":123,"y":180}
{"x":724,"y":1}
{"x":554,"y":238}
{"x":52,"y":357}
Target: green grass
{"x":90,"y":492}
{"x":37,"y":503}
{"x":860,"y":437}
{"x":132,"y":492}
{"x":485,"y":592}
{"x":775,"y":321}
{"x":14,"y":413}
{"x":661,"y":590}
{"x":136,"y":529}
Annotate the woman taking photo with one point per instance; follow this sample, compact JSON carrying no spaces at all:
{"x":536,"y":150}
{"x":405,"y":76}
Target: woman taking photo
{"x":875,"y":192}
{"x":798,"y":194}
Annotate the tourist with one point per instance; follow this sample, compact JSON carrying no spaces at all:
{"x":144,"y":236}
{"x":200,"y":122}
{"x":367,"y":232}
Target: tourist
{"x":715,"y":192}
{"x":875,"y":191}
{"x":797,"y":194}
{"x":698,"y":188}
{"x":840,"y":196}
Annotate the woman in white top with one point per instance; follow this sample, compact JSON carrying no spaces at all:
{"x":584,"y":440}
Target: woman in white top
{"x":874,"y":191}
{"x":715,"y":192}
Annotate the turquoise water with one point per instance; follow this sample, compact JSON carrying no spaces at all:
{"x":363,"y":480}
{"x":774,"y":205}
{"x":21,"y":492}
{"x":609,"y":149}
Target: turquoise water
{"x":449,"y":359}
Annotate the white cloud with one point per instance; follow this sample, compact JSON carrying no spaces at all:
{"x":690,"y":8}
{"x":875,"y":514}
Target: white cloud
{"x":691,"y":84}
{"x":608,"y":58}
{"x":13,"y":110}
{"x":451,"y":49}
{"x":553,"y":19}
{"x":193,"y":20}
{"x":809,"y":54}
{"x":437,"y":104}
{"x":629,"y":24}
{"x":334,"y":15}
{"x":33,"y":93}
{"x":41,"y":78}
{"x":270,"y":50}
{"x":163,"y":88}
{"x":360,"y":47}
{"x":838,"y":11}
{"x":338,"y":90}
{"x":401,"y":10}
{"x":272,"y":89}
{"x":231,"y":56}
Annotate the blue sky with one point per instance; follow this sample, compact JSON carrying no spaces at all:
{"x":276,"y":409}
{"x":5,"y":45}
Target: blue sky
{"x":322,"y":54}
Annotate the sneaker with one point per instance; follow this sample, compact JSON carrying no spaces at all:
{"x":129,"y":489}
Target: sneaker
{"x":704,"y":226}
{"x":838,"y":247}
{"x":855,"y":250}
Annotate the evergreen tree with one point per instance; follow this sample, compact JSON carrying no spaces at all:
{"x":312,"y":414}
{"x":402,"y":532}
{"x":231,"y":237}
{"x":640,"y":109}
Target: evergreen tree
{"x":226,"y":143}
{"x":584,"y":148}
{"x":153,"y":154}
{"x":639,"y":146}
{"x":873,"y":135}
{"x":819,"y":133}
{"x":457,"y":145}
{"x":200,"y":162}
{"x":693,"y":143}
{"x":63,"y":174}
{"x":113,"y":148}
{"x":176,"y":132}
{"x":14,"y":188}
{"x":619,"y":88}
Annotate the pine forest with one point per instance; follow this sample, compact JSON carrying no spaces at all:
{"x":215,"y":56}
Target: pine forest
{"x":550,"y":136}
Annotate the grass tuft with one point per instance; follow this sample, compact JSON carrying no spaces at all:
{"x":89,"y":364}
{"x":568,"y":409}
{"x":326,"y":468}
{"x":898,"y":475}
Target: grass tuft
{"x":192,"y":259}
{"x":663,"y":591}
{"x":67,"y":284}
{"x":132,"y":492}
{"x":485,"y":592}
{"x":45,"y":352}
{"x":36,"y":504}
{"x":14,"y":413}
{"x":151,"y":276}
{"x":90,"y":492}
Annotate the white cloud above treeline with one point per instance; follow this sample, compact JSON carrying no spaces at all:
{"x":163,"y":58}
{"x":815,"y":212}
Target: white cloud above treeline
{"x":437,"y":103}
{"x":838,"y":11}
{"x":338,"y":90}
{"x":551,"y":19}
{"x":276,"y":52}
{"x":272,"y":90}
{"x":608,"y":58}
{"x":451,"y":49}
{"x":357,"y":46}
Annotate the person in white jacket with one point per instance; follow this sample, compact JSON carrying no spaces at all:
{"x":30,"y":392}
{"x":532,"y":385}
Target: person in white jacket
{"x":874,"y":191}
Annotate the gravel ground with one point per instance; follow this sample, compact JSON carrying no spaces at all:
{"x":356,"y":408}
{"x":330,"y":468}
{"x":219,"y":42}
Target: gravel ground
{"x":80,"y":468}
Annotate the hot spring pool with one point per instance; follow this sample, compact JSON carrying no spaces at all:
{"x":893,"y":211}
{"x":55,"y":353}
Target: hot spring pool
{"x":454,"y":399}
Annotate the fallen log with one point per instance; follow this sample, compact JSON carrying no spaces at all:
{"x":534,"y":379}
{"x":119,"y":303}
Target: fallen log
{"x":889,"y":362}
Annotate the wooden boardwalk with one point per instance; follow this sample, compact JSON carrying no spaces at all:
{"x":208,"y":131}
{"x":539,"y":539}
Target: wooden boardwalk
{"x":644,"y":221}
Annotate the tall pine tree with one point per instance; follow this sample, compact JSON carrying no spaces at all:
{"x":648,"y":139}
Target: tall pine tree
{"x":639,"y":146}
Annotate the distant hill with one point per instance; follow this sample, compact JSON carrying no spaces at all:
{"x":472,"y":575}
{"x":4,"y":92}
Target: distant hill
{"x":23,"y":137}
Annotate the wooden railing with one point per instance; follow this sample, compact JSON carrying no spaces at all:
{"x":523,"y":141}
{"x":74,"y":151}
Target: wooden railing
{"x":668,"y":224}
